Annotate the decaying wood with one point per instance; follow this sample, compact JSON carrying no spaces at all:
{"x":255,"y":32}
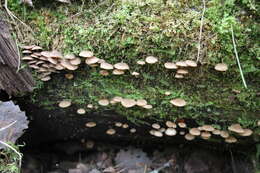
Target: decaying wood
{"x":11,"y":81}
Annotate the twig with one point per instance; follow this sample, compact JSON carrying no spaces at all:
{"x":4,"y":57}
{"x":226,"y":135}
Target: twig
{"x":3,"y":128}
{"x":201,"y":27}
{"x":237,"y":58}
{"x":12,"y":148}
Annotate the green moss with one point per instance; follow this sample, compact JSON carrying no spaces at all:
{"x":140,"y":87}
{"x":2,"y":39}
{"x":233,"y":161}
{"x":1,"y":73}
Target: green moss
{"x":130,"y":30}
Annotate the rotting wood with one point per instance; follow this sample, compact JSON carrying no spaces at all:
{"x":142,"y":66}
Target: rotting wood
{"x":11,"y":81}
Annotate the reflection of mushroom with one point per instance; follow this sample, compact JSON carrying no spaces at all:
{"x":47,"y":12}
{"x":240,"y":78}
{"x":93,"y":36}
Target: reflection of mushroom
{"x":151,"y":59}
{"x":158,"y":133}
{"x":236,"y":128}
{"x":189,"y":137}
{"x":178,"y":102}
{"x":221,"y":67}
{"x":216,"y":132}
{"x":64,"y":103}
{"x":127,"y":103}
{"x":91,"y":124}
{"x":92,"y":60}
{"x":170,"y":132}
{"x":182,"y":71}
{"x":194,"y":131}
{"x":103,"y":102}
{"x":182,"y":132}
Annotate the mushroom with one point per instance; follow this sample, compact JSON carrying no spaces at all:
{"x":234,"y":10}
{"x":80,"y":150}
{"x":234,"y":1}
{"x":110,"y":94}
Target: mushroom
{"x":191,"y":63}
{"x":86,"y":54}
{"x":27,"y":58}
{"x":46,"y":54}
{"x":46,"y":78}
{"x":117,"y":99}
{"x":170,"y":124}
{"x":75,"y":61}
{"x":135,"y":73}
{"x":182,"y":132}
{"x":182,"y":71}
{"x":170,"y":132}
{"x":208,"y":128}
{"x":236,"y":128}
{"x":167,"y":93}
{"x":140,"y":62}
{"x":92,"y":60}
{"x":26,"y":52}
{"x":55,"y":54}
{"x":106,"y":66}
{"x":224,"y":134}
{"x":118,"y":72}
{"x":125,"y":126}
{"x":158,"y":133}
{"x":104,"y":72}
{"x":189,"y":137}
{"x":90,"y":106}
{"x":52,"y":60}
{"x":118,"y":124}
{"x":91,"y":124}
{"x":141,"y":102}
{"x":133,"y":130}
{"x":182,"y":125}
{"x":127,"y":103}
{"x":156,"y":126}
{"x":178,"y":76}
{"x":162,"y":129}
{"x":69,"y":76}
{"x":103,"y":102}
{"x":247,"y":132}
{"x":111,"y":131}
{"x":36,"y":48}
{"x":231,"y":139}
{"x":181,"y":64}
{"x":178,"y":102}
{"x":216,"y":132}
{"x":170,"y":65}
{"x":151,"y":59}
{"x":194,"y":131}
{"x":81,"y":111}
{"x":121,"y":66}
{"x":148,"y":106}
{"x":59,"y":67}
{"x":221,"y":67}
{"x":69,"y":56}
{"x":205,"y":135}
{"x":29,"y":47}
{"x":64,"y":103}
{"x":68,"y":65}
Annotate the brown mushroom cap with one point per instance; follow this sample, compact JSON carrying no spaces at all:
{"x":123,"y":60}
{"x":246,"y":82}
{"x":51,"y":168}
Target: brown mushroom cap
{"x":170,"y":132}
{"x":205,"y":135}
{"x":106,"y":66}
{"x":121,"y":66}
{"x":151,"y":59}
{"x":182,"y":125}
{"x":208,"y":128}
{"x":118,"y":124}
{"x":189,"y":137}
{"x":247,"y":132}
{"x":216,"y":132}
{"x":86,"y":54}
{"x":191,"y":63}
{"x":92,"y":60}
{"x":236,"y":128}
{"x":103,"y":102}
{"x":91,"y":124}
{"x":181,"y":64}
{"x":75,"y":61}
{"x":194,"y":131}
{"x":141,"y":102}
{"x":81,"y":111}
{"x":111,"y":131}
{"x":52,"y":60}
{"x":158,"y":133}
{"x":178,"y":102}
{"x":125,"y":126}
{"x":178,"y":76}
{"x":221,"y":67}
{"x":36,"y":48}
{"x":26,"y":52}
{"x":170,"y":124}
{"x":135,"y":73}
{"x":182,"y":71}
{"x":224,"y":134}
{"x":68,"y":65}
{"x":46,"y":54}
{"x":230,"y":139}
{"x":59,"y":67}
{"x":127,"y":103}
{"x":64,"y":103}
{"x":29,"y":47}
{"x":69,"y":56}
{"x":55,"y":54}
{"x":140,"y":62}
{"x":46,"y":78}
{"x":69,"y":76}
{"x":170,"y":65}
{"x":148,"y":106}
{"x":27,"y":58}
{"x":156,"y":126}
{"x":118,"y":72}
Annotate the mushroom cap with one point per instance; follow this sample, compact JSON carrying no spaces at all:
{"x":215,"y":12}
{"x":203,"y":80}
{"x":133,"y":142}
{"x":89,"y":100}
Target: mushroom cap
{"x":181,"y":64}
{"x":32,"y":62}
{"x":35,"y":48}
{"x":182,"y":125}
{"x":68,"y":65}
{"x":75,"y":61}
{"x":205,"y":135}
{"x":170,"y":65}
{"x":111,"y":131}
{"x":55,"y":54}
{"x":208,"y":128}
{"x":167,"y":93}
{"x":170,"y":132}
{"x":69,"y":56}
{"x":34,"y":55}
{"x":189,"y":137}
{"x":118,"y":72}
{"x":148,"y":106}
{"x":117,"y":99}
{"x":151,"y":59}
{"x":182,"y":71}
{"x":29,"y":47}
{"x":90,"y":144}
{"x":92,"y":60}
{"x":69,"y":76}
{"x":162,"y":129}
{"x":191,"y":63}
{"x":46,"y":78}
{"x":106,"y":66}
{"x":52,"y":60}
{"x":247,"y":132}
{"x":133,"y":130}
{"x":236,"y":128}
{"x":178,"y":102}
{"x":125,"y":126}
{"x":216,"y":132}
{"x":140,"y":62}
{"x":178,"y":76}
{"x":224,"y":134}
{"x":59,"y":67}
{"x":170,"y":124}
{"x":258,"y":123}
{"x":158,"y":133}
{"x":81,"y":111}
{"x":64,"y":103}
{"x":46,"y":54}
{"x":90,"y":106}
{"x":127,"y":103}
{"x":194,"y":131}
{"x":221,"y":67}
{"x":26,"y":52}
{"x":135,"y":73}
{"x":34,"y":66}
{"x":141,"y":102}
{"x":182,"y":132}
{"x":91,"y":124}
{"x":230,"y":139}
{"x":103,"y":102}
{"x":121,"y":66}
{"x":156,"y":126}
{"x":27,"y":58}
{"x":118,"y":124}
{"x":104,"y":72}
{"x":86,"y":54}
